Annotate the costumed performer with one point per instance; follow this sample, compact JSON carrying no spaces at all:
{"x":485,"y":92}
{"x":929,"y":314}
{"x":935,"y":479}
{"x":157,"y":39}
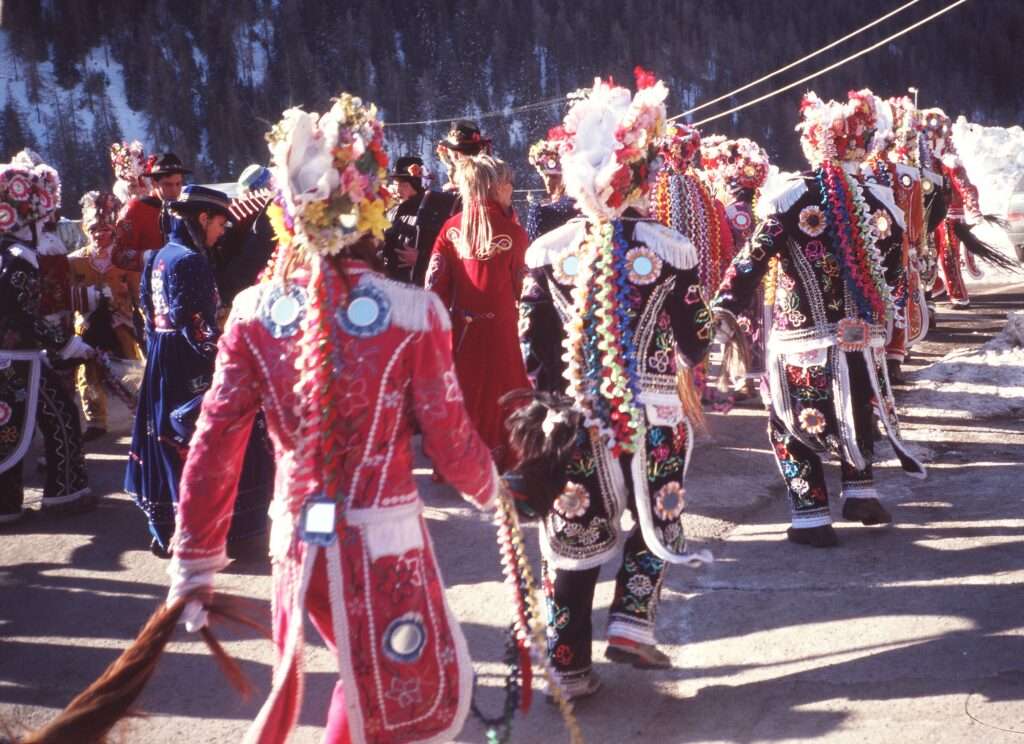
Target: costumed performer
{"x":838,"y":242}
{"x":346,"y":364}
{"x":612,"y":305}
{"x":557,"y":208}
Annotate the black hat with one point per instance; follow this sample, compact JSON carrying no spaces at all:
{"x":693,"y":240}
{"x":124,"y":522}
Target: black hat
{"x":409,"y":168}
{"x":166,"y":164}
{"x":202,"y":199}
{"x":465,"y":138}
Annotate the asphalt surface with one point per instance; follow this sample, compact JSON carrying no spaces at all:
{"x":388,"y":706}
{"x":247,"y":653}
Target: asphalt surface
{"x":909,"y":633}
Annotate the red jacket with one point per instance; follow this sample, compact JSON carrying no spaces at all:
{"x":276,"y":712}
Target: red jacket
{"x":138,"y":231}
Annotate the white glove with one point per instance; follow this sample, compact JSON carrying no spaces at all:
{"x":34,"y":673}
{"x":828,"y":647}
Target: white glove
{"x":76,"y":348}
{"x":185,"y":581}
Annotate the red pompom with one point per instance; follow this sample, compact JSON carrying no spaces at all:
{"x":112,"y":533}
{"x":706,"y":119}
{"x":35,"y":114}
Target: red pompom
{"x":644,"y":78}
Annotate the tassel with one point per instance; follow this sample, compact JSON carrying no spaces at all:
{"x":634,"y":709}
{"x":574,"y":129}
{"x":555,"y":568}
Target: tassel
{"x":690,"y":400}
{"x":982,"y":250}
{"x":735,"y":355}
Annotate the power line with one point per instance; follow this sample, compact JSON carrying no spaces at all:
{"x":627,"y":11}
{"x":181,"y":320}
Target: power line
{"x":803,"y":59}
{"x":490,"y":114}
{"x":831,"y":67}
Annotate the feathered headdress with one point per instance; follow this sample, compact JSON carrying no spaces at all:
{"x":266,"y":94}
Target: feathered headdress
{"x":907,"y":126}
{"x":612,"y":138}
{"x":29,"y":192}
{"x":938,"y":136}
{"x":835,"y":131}
{"x":130,"y":165}
{"x":331,"y":173}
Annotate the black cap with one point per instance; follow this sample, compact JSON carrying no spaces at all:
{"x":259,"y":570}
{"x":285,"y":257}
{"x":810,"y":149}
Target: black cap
{"x":465,"y":138}
{"x":166,"y":164}
{"x":202,"y":199}
{"x":409,"y":168}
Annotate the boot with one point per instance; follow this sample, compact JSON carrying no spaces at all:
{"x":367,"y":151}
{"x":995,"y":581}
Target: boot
{"x":640,"y":655}
{"x":866,"y":511}
{"x":816,"y":537}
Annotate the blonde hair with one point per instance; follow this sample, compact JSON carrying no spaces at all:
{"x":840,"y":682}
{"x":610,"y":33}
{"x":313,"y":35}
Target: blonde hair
{"x":478,"y":180}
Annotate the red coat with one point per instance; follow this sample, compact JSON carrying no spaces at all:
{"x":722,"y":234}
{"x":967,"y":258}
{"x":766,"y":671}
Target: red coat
{"x":390,"y":377}
{"x":138,"y":231}
{"x":482,"y":296}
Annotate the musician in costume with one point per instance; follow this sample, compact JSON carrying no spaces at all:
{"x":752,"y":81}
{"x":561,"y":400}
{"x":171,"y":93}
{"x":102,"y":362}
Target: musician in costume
{"x":557,"y":208}
{"x":30,"y":347}
{"x":346,"y":364}
{"x":407,"y":243}
{"x":109,"y":326}
{"x":838,"y":244}
{"x":180,"y":303}
{"x":243,"y":253}
{"x":612,"y":305}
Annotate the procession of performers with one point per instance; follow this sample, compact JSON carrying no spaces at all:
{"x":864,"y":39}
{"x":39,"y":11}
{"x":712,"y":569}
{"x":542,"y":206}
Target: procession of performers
{"x":561,"y":365}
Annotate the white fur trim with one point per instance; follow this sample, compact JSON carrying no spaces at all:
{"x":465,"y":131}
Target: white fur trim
{"x":545,"y":249}
{"x":412,"y":308}
{"x":884,"y":194}
{"x":780,"y":201}
{"x":247,"y":302}
{"x":670,"y":245}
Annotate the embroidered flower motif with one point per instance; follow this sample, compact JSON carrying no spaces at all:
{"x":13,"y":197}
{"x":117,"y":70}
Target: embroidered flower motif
{"x":8,"y":435}
{"x":789,"y":469}
{"x":812,"y":220}
{"x":5,"y":413}
{"x":640,"y":585}
{"x":812,"y":420}
{"x":572,"y":503}
{"x":660,"y":361}
{"x":799,"y":486}
{"x":669,"y":501}
{"x":694,"y":294}
{"x":563,"y":655}
{"x":814,"y":250}
{"x":404,"y":692}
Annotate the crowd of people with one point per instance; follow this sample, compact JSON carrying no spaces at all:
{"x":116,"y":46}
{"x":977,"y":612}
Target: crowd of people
{"x":296,"y":339}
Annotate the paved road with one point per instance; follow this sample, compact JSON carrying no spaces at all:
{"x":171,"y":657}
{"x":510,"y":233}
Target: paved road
{"x":913,"y":633}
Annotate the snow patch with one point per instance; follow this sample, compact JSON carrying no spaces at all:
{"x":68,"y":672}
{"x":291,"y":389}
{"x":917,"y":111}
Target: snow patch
{"x":994,"y":160}
{"x":983,"y":382}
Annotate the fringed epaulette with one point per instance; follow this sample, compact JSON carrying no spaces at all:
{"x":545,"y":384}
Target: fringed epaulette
{"x":545,"y":249}
{"x":884,"y":194}
{"x":781,"y":199}
{"x":412,"y":308}
{"x":247,"y":303}
{"x":671,"y":246}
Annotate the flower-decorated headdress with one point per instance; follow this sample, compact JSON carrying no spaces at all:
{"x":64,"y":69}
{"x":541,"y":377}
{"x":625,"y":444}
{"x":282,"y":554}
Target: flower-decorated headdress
{"x":128,"y":160}
{"x":907,"y":126}
{"x":938,"y":136}
{"x":28,"y":194}
{"x":546,"y":154}
{"x":735,"y":163}
{"x":99,"y":208}
{"x":679,"y":145}
{"x":835,"y":131}
{"x":331,"y":173}
{"x":612,"y":138}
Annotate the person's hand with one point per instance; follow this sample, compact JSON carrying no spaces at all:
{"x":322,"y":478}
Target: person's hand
{"x":186,"y":582}
{"x":407,"y":257}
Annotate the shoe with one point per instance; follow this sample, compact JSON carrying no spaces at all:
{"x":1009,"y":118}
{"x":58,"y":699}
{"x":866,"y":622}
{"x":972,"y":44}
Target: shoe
{"x":92,"y":433}
{"x":960,"y":304}
{"x":816,"y":537}
{"x":640,"y":655}
{"x":866,"y":511}
{"x":82,"y":505}
{"x":579,"y":688}
{"x":158,"y":550}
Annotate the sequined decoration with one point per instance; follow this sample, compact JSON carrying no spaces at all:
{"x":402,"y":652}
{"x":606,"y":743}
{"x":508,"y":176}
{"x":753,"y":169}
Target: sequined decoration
{"x":367,"y":312}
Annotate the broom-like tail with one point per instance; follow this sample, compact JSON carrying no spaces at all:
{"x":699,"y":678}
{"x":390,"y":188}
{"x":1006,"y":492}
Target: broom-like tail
{"x":736,"y":354}
{"x":89,"y":718}
{"x":686,"y":388}
{"x":982,"y":250}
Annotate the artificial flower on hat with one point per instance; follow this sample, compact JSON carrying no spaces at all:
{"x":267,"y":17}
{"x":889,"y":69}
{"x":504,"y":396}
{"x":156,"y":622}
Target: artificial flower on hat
{"x":680,"y":143}
{"x":735,"y":163}
{"x":331,"y":173}
{"x":611,"y":139}
{"x":546,"y":154}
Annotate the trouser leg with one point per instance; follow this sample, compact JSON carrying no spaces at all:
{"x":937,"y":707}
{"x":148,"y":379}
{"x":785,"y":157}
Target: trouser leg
{"x":57,"y":417}
{"x":803,"y":474}
{"x":12,"y":493}
{"x":637,"y":591}
{"x":857,"y":482}
{"x":570,"y":602}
